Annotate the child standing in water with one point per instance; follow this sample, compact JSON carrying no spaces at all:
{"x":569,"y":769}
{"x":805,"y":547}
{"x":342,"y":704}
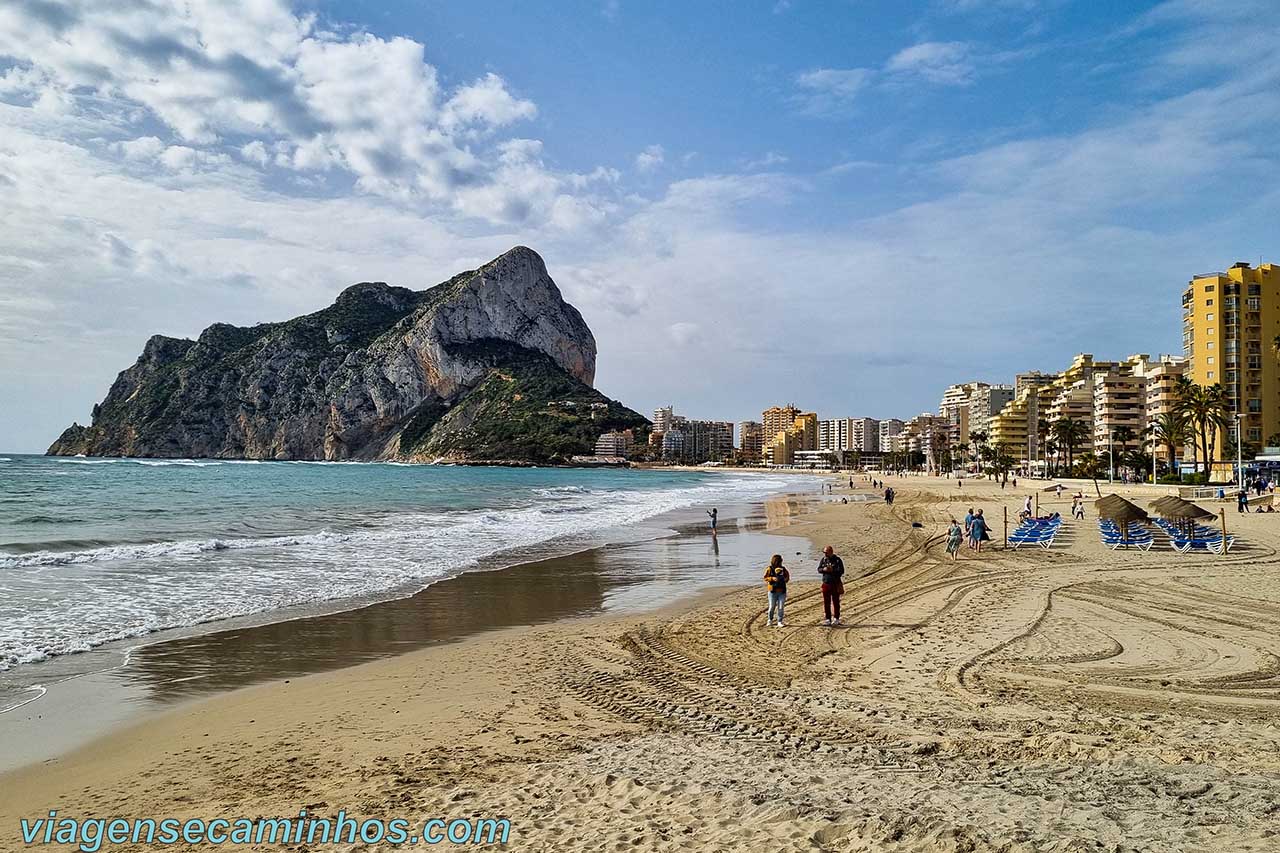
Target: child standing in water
{"x":776,"y":577}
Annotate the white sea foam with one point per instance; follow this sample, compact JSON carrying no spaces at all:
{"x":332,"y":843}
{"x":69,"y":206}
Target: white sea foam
{"x":81,"y":460}
{"x":188,"y":463}
{"x":61,"y":602}
{"x":5,"y":459}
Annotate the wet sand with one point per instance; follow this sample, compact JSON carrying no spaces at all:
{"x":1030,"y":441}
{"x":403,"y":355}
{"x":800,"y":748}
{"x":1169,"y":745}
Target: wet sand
{"x":1030,"y":700}
{"x":628,"y":577}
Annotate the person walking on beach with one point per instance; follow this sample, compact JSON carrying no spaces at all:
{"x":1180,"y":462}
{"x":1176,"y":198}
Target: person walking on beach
{"x":776,"y":577}
{"x":715,"y":516}
{"x":1242,"y":501}
{"x":978,"y":532}
{"x":954,"y":536}
{"x":831,"y":568}
{"x":968,"y":522}
{"x":1077,"y":507}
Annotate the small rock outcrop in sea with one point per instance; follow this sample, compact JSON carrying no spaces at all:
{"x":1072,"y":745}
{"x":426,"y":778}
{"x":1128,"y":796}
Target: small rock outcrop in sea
{"x":490,"y":365}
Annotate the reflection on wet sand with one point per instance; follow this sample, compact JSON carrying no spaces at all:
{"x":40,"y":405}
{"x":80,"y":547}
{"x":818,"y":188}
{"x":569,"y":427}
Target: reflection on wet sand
{"x":781,"y":511}
{"x":629,"y":576}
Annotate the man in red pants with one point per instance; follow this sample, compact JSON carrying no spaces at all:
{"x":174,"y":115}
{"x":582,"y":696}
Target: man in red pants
{"x":831,"y":568}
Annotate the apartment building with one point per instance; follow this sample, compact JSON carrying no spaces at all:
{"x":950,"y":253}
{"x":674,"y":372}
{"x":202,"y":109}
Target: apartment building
{"x":866,"y":435}
{"x":801,"y":434}
{"x":778,"y":418}
{"x":750,"y":440}
{"x":1162,"y":397}
{"x":954,"y":410}
{"x":837,"y":434}
{"x":1229,"y":321}
{"x":615,"y":443}
{"x":707,"y":441}
{"x":887,"y":434}
{"x":985,"y":402}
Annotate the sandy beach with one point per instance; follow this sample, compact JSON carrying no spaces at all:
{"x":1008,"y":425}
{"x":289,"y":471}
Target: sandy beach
{"x":1071,"y":699}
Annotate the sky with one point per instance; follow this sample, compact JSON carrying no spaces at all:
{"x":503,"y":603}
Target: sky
{"x":847,"y":205}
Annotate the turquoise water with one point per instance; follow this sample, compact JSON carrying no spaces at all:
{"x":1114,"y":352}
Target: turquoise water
{"x":98,"y":550}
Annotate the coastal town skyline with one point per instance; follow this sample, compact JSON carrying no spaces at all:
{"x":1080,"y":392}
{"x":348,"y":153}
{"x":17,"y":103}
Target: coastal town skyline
{"x":1231,"y":344}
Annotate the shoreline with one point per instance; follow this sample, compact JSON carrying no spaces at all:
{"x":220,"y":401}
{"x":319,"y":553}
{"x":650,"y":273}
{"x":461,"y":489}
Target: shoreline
{"x":178,"y":666}
{"x":1014,"y":700}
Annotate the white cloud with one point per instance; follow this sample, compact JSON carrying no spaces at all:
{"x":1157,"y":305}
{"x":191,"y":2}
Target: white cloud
{"x":961,"y":6}
{"x":650,"y":158}
{"x":826,"y":91}
{"x":683,"y":332}
{"x":485,"y":103}
{"x":250,"y":76}
{"x":142,"y":148}
{"x":946,"y":63}
{"x":255,"y":152}
{"x":767,"y":160}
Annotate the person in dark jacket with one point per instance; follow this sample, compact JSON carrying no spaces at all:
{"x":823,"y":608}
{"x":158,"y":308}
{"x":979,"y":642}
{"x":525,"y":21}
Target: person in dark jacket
{"x":831,"y":568}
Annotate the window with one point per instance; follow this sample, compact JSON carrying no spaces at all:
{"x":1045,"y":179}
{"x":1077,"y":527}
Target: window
{"x":1255,"y":434}
{"x":1210,"y":345}
{"x":1209,"y":316}
{"x":1255,"y":289}
{"x":1209,"y":360}
{"x":1209,"y":331}
{"x":1209,"y":375}
{"x":1208,"y":302}
{"x":1208,"y":288}
{"x":1254,"y":303}
{"x":1255,"y":405}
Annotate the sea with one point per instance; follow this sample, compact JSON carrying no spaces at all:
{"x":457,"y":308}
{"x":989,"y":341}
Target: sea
{"x":102,"y":552}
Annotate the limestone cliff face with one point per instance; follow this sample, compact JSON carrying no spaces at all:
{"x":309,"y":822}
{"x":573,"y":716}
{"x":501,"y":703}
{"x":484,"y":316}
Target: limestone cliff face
{"x":346,"y":382}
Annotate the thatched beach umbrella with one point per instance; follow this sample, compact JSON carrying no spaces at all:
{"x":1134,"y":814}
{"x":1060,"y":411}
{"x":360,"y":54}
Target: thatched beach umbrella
{"x":1184,"y":512}
{"x":1168,"y":500}
{"x":1122,"y":512}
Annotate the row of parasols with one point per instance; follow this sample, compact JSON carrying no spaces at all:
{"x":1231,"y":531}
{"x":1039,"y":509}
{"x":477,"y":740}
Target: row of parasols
{"x":1174,"y":509}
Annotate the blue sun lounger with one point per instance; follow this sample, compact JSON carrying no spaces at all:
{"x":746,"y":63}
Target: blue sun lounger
{"x":1137,"y":535}
{"x":1035,"y":532}
{"x":1200,"y":539}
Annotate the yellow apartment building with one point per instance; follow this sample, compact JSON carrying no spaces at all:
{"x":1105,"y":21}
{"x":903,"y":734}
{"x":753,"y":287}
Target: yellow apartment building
{"x":800,"y":434}
{"x":1230,"y":321}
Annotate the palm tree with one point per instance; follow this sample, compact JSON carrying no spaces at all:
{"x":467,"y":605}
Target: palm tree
{"x":1003,"y":460}
{"x":1122,"y":435}
{"x":1219,"y":418}
{"x":1043,"y":431}
{"x":979,"y":439}
{"x":1091,"y":466}
{"x":1169,"y":429}
{"x":1196,"y":405}
{"x":1070,"y":433}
